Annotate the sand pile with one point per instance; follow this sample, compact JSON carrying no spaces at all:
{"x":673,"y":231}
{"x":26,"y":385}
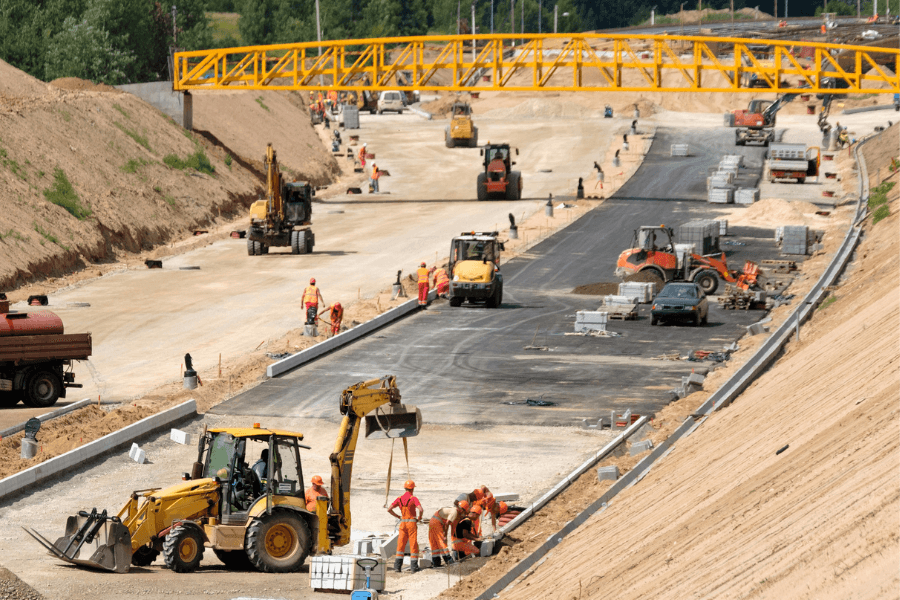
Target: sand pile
{"x":777,"y":211}
{"x":441,"y":107}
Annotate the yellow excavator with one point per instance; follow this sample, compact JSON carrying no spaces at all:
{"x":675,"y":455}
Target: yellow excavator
{"x":284,"y":217}
{"x":250,"y":516}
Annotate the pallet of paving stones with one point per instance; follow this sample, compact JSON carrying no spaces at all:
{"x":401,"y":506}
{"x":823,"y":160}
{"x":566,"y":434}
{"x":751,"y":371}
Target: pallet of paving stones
{"x":779,"y":266}
{"x":622,"y":315}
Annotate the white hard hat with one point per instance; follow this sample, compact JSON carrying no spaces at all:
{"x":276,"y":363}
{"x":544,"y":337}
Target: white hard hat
{"x":366,"y":144}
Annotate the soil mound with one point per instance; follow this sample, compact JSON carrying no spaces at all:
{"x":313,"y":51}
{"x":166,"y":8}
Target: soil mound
{"x":441,"y":106}
{"x":601,"y":288}
{"x":14,"y":82}
{"x":74,"y":84}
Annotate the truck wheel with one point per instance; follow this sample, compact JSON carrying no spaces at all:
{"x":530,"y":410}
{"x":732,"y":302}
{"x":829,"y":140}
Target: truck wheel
{"x":456,"y":301}
{"x":499,"y":296}
{"x":43,"y":389}
{"x":707,"y":281}
{"x":183,"y":549}
{"x":512,"y":187}
{"x":251,"y":247}
{"x":801,"y":180}
{"x":482,"y":186}
{"x":654,"y":321}
{"x":310,"y":241}
{"x":302,"y":244}
{"x":234,"y":560}
{"x":278,"y":543}
{"x":144,"y":556}
{"x":295,"y":247}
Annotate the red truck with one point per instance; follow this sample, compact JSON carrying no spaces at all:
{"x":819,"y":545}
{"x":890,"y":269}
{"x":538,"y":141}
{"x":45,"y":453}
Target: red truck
{"x":36,"y":357}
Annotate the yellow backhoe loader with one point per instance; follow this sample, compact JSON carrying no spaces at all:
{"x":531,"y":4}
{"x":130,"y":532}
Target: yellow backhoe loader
{"x":250,"y":516}
{"x":284,"y":216}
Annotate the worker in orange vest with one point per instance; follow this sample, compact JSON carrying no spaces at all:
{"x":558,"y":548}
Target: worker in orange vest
{"x":376,"y":175}
{"x":441,"y":282}
{"x":311,"y":298}
{"x":443,"y":519}
{"x":313,"y":493}
{"x":464,"y":536}
{"x":410,"y":514}
{"x":362,"y":156}
{"x":337,"y":315}
{"x":423,"y":274}
{"x":476,"y":521}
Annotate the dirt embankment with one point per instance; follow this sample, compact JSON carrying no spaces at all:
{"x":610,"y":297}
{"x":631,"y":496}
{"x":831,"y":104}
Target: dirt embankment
{"x":90,"y":174}
{"x":736,"y":519}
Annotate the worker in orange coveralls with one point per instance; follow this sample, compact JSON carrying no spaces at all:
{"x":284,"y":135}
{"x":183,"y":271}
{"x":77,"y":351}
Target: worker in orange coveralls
{"x":313,"y":493}
{"x":496,"y":510}
{"x":423,"y":275}
{"x":441,"y":282}
{"x":337,"y":315}
{"x":476,"y":522}
{"x":409,"y":507}
{"x":443,"y":519}
{"x":475,"y":495}
{"x":465,"y":536}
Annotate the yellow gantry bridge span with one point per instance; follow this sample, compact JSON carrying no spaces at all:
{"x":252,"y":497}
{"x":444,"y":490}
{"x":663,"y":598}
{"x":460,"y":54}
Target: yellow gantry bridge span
{"x":548,"y":62}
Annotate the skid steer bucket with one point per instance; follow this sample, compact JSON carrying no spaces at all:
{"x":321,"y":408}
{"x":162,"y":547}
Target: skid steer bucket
{"x":92,"y":540}
{"x":393,"y":421}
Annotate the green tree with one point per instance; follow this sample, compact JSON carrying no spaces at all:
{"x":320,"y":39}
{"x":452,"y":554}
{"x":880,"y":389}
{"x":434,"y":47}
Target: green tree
{"x":257,"y":24}
{"x":838,"y":7}
{"x":393,"y":18}
{"x":193,"y":32}
{"x":86,"y":51}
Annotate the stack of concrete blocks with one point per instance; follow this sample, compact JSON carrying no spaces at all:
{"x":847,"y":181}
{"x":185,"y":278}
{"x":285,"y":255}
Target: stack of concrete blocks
{"x":590,"y":320}
{"x":703,"y":234}
{"x":619,"y":304}
{"x":137,"y":455}
{"x":608,"y":473}
{"x":723,"y":227}
{"x":779,"y":234}
{"x":342,"y":574}
{"x":639,"y":291}
{"x":639,"y":447}
{"x":689,"y":385}
{"x":746,"y":195}
{"x":683,"y":252}
{"x":351,"y":116}
{"x":795,"y":239}
{"x":736,"y":160}
{"x":679,"y":150}
{"x":720,"y":179}
{"x":723,"y":195}
{"x":180,"y":437}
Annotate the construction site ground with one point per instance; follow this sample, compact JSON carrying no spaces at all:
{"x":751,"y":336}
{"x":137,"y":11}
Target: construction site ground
{"x":235,"y":307}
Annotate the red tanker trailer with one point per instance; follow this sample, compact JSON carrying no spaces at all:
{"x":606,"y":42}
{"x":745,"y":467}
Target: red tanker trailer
{"x":36,"y":357}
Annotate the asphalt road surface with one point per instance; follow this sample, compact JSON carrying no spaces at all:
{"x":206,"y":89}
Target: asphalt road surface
{"x":469,"y":365}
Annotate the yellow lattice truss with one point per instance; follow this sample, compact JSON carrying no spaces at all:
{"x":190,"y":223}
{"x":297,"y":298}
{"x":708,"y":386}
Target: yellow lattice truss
{"x":550,"y":62}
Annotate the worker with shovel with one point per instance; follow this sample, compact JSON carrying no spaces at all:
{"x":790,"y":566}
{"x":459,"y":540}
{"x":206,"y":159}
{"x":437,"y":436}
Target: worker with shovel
{"x":409,"y":507}
{"x":337,"y":315}
{"x":311,"y":297}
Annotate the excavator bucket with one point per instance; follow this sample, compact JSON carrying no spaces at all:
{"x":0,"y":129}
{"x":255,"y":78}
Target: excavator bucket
{"x":393,"y":421}
{"x":91,"y":540}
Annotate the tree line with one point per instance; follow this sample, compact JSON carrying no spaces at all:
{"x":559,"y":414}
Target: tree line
{"x":124,"y":41}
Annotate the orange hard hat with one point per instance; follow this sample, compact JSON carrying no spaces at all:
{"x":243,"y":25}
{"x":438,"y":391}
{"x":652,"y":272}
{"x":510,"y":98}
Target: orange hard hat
{"x":316,"y":480}
{"x":464,"y":505}
{"x":409,"y":485}
{"x":423,"y":264}
{"x":312,"y":280}
{"x":502,"y":508}
{"x":478,"y":493}
{"x":337,"y":304}
{"x":476,"y":509}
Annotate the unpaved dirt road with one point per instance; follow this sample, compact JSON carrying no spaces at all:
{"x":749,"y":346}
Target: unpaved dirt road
{"x":144,"y":321}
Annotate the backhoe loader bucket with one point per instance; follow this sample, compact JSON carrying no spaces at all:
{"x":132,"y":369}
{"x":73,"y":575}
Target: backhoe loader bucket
{"x":393,"y":421}
{"x":92,"y":540}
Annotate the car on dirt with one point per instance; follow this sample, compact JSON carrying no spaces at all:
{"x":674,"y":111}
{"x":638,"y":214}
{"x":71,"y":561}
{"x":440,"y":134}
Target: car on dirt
{"x":391,"y":100}
{"x":680,"y":302}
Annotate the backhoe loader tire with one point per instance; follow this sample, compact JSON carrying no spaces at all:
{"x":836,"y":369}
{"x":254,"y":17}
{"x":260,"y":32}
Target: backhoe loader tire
{"x":512,"y":190}
{"x":42,"y":389}
{"x":456,"y":301}
{"x":278,"y":543}
{"x":482,"y":186}
{"x":183,"y":549}
{"x":473,"y":141}
{"x":251,"y":247}
{"x":234,"y":560}
{"x":707,"y":281}
{"x":298,"y":242}
{"x":144,"y":556}
{"x":448,"y":139}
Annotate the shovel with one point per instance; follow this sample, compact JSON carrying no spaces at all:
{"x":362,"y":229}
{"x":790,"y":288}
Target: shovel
{"x":91,"y":540}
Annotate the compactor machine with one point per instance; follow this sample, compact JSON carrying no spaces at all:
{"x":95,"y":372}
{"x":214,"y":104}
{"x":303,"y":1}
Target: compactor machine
{"x":251,"y":514}
{"x":284,"y":217}
{"x":475,"y":269}
{"x":498,"y":179}
{"x":461,"y":131}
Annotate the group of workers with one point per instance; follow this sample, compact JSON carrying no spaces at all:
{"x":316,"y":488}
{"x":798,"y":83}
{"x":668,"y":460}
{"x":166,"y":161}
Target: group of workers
{"x":460,"y":524}
{"x":311,"y":298}
{"x":441,"y":282}
{"x":375,"y":173}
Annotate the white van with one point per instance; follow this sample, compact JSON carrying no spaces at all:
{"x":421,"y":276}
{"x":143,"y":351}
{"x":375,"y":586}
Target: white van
{"x":390,"y":100}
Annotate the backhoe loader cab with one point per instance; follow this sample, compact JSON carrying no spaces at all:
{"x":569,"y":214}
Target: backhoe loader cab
{"x":498,"y":179}
{"x":475,"y":269}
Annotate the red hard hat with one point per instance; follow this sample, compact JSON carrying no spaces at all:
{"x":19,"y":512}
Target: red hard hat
{"x":423,"y":264}
{"x":337,"y":304}
{"x":409,"y":485}
{"x":312,"y":280}
{"x":316,"y":480}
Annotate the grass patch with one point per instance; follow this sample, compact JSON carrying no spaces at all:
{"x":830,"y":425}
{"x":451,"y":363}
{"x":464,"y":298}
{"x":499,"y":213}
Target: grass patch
{"x":882,"y":212}
{"x":197,"y":161}
{"x":66,"y":115}
{"x":140,"y":139}
{"x":157,"y":189}
{"x":133,"y":165}
{"x":12,"y":234}
{"x":224,"y":26}
{"x":169,"y":200}
{"x":828,"y":302}
{"x":47,"y":236}
{"x":259,"y":101}
{"x":878,"y":194}
{"x":122,"y":110}
{"x":228,"y":160}
{"x":61,"y":193}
